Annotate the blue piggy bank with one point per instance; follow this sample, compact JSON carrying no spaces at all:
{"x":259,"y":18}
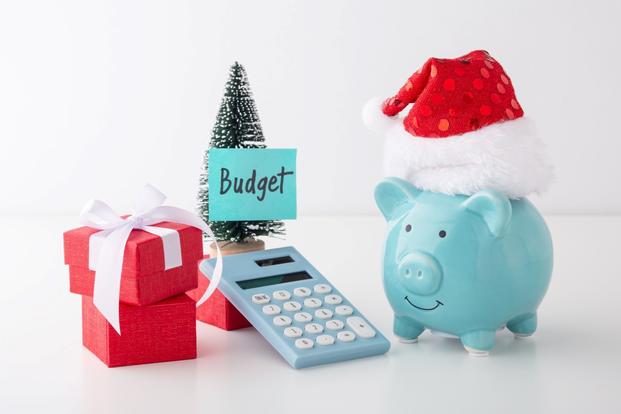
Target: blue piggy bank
{"x":464,"y":266}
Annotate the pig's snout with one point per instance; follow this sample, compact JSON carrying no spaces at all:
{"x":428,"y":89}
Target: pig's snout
{"x":420,"y":273}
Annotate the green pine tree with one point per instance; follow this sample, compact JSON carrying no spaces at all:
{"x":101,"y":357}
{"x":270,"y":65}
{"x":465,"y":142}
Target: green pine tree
{"x":237,"y":126}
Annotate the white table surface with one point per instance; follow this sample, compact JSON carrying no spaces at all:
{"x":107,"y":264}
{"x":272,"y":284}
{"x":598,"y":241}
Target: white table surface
{"x":572,"y":364}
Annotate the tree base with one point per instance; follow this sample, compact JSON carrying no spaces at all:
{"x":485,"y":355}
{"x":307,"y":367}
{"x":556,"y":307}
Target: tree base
{"x":229,"y":248}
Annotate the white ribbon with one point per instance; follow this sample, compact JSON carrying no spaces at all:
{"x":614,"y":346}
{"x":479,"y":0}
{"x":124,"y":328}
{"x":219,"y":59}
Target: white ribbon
{"x":115,"y":231}
{"x":170,"y":241}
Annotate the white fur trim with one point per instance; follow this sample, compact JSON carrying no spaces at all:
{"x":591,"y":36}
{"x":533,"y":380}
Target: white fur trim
{"x":508,"y":157}
{"x":374,"y":119}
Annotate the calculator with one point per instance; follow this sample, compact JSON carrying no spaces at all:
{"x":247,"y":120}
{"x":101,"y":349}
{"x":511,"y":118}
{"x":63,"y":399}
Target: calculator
{"x":300,"y":313}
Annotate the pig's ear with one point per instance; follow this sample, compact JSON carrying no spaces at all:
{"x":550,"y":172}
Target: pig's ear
{"x":394,"y":197}
{"x":493,"y":207}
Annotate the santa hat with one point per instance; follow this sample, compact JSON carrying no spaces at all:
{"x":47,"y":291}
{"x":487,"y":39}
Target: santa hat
{"x":465,"y":131}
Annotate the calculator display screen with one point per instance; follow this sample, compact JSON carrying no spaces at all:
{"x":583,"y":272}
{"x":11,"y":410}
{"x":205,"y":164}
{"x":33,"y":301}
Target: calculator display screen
{"x":273,"y":280}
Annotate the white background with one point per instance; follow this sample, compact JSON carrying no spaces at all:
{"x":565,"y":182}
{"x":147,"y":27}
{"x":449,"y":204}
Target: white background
{"x":98,"y":97}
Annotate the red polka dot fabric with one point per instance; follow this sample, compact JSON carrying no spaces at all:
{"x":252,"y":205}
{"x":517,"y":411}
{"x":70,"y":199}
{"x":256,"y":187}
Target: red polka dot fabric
{"x":455,"y":96}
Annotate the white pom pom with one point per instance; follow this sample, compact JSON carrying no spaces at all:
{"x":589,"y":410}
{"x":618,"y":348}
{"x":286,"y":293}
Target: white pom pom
{"x":373,"y":117}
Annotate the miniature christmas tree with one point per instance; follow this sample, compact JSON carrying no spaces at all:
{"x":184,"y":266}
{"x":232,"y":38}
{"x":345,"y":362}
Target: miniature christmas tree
{"x":237,"y":126}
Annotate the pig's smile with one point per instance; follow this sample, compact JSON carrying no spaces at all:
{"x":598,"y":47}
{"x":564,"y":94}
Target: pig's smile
{"x":438,"y":303}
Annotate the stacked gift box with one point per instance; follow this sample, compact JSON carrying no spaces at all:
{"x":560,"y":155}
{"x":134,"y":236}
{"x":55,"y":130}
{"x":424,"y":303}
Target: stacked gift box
{"x":157,"y":319}
{"x":217,"y":310}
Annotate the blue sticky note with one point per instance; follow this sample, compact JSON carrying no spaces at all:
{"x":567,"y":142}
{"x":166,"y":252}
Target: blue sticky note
{"x":252,"y":184}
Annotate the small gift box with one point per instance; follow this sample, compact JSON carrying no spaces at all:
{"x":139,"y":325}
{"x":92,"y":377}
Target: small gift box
{"x":217,"y":310}
{"x":138,"y":259}
{"x":146,"y":277}
{"x":163,"y":331}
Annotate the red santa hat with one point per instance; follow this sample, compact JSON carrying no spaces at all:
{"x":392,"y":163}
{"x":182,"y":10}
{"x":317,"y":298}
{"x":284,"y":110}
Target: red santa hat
{"x":465,"y":131}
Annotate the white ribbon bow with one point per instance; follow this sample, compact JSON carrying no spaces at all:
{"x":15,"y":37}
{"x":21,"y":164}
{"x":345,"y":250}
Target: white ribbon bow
{"x":115,"y":231}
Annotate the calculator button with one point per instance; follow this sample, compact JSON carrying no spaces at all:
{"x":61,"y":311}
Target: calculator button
{"x":313,"y":328}
{"x":271,"y":309}
{"x":260,"y":299}
{"x":281,"y":295}
{"x":293,"y":332}
{"x":344,"y":310}
{"x":346,"y":336}
{"x":302,"y":292}
{"x":303,"y":343}
{"x":323,"y":313}
{"x":292,"y":306}
{"x":335,"y":325}
{"x":303,"y":317}
{"x":312,"y":303}
{"x":282,"y":320}
{"x":333,"y":299}
{"x":360,"y":327}
{"x":325,"y":340}
{"x":322,"y":288}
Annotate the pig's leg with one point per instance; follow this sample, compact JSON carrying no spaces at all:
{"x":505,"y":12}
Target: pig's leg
{"x":407,"y":329}
{"x":478,"y":343}
{"x":523,"y":325}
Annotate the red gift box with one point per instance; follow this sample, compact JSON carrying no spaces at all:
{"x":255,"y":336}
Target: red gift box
{"x":142,"y":290}
{"x":163,"y":331}
{"x":217,"y":310}
{"x":143,"y":279}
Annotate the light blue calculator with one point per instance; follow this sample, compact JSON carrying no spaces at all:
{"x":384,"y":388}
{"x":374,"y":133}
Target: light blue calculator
{"x":295,"y":308}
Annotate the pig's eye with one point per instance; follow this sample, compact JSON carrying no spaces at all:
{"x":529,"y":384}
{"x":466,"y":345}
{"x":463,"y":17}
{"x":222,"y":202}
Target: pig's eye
{"x":408,"y":228}
{"x":442,"y":234}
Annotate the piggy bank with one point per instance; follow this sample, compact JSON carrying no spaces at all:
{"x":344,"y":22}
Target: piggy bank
{"x":466,"y":266}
